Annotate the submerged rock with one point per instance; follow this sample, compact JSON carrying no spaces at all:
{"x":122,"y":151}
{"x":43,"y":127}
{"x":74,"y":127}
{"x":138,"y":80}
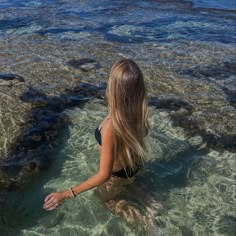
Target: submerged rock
{"x":217,"y":72}
{"x":172,"y":104}
{"x":181,"y":113}
{"x":44,"y":129}
{"x":230,"y":96}
{"x":219,"y":76}
{"x":85,"y":64}
{"x":10,"y":79}
{"x":218,"y":142}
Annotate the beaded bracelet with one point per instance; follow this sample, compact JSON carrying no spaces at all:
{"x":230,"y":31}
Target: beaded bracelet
{"x":72,"y":192}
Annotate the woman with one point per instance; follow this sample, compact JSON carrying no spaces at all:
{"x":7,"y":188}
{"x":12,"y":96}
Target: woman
{"x":120,"y":137}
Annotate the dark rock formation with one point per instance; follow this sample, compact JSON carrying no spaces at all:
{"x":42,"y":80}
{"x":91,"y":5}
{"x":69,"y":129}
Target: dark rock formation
{"x":230,"y":96}
{"x":85,"y":64}
{"x":171,"y":104}
{"x":10,"y":79}
{"x":213,"y":74}
{"x":44,"y":129}
{"x":183,"y":119}
{"x":217,"y":72}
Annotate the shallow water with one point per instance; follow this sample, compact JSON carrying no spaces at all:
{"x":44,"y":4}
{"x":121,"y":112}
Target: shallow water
{"x":194,"y":187}
{"x":187,"y":53}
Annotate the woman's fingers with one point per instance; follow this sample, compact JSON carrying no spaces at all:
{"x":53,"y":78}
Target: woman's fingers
{"x":49,"y":203}
{"x":48,"y":197}
{"x":50,"y":206}
{"x":52,"y":201}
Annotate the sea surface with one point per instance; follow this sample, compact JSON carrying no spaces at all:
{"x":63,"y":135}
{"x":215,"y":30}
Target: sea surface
{"x":55,"y":57}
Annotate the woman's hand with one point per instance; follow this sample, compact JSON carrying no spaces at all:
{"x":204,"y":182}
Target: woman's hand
{"x":54,"y":200}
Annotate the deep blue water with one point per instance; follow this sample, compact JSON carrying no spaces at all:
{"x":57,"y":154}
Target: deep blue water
{"x":177,"y":20}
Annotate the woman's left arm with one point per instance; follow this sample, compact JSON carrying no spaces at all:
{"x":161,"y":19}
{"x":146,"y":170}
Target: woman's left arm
{"x":53,"y":200}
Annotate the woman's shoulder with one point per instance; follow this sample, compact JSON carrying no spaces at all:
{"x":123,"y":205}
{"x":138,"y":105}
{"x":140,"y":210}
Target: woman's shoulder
{"x":104,"y":121}
{"x":106,"y":128}
{"x":107,"y":125}
{"x":107,"y":134}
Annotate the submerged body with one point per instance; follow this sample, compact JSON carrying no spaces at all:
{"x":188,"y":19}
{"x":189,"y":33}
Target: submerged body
{"x":121,"y":145}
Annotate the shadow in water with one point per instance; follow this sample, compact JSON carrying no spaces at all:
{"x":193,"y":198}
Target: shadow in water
{"x":24,"y":172}
{"x":42,"y":133}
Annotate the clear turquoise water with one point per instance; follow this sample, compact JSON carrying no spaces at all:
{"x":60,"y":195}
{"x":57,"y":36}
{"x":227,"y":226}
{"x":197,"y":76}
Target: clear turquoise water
{"x":194,"y":187}
{"x":195,"y":184}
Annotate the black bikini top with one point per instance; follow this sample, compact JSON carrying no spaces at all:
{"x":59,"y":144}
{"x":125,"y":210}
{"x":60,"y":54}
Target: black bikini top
{"x":98,"y":136}
{"x":121,"y":173}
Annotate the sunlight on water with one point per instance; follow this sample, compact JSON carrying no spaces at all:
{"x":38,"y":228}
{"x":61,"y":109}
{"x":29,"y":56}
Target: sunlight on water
{"x":194,"y":187}
{"x":187,"y":53}
{"x":219,"y":4}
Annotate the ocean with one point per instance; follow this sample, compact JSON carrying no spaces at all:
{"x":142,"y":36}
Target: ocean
{"x":55,"y":57}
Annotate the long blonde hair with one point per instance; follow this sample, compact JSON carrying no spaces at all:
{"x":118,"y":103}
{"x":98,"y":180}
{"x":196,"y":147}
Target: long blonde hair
{"x":127,"y":103}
